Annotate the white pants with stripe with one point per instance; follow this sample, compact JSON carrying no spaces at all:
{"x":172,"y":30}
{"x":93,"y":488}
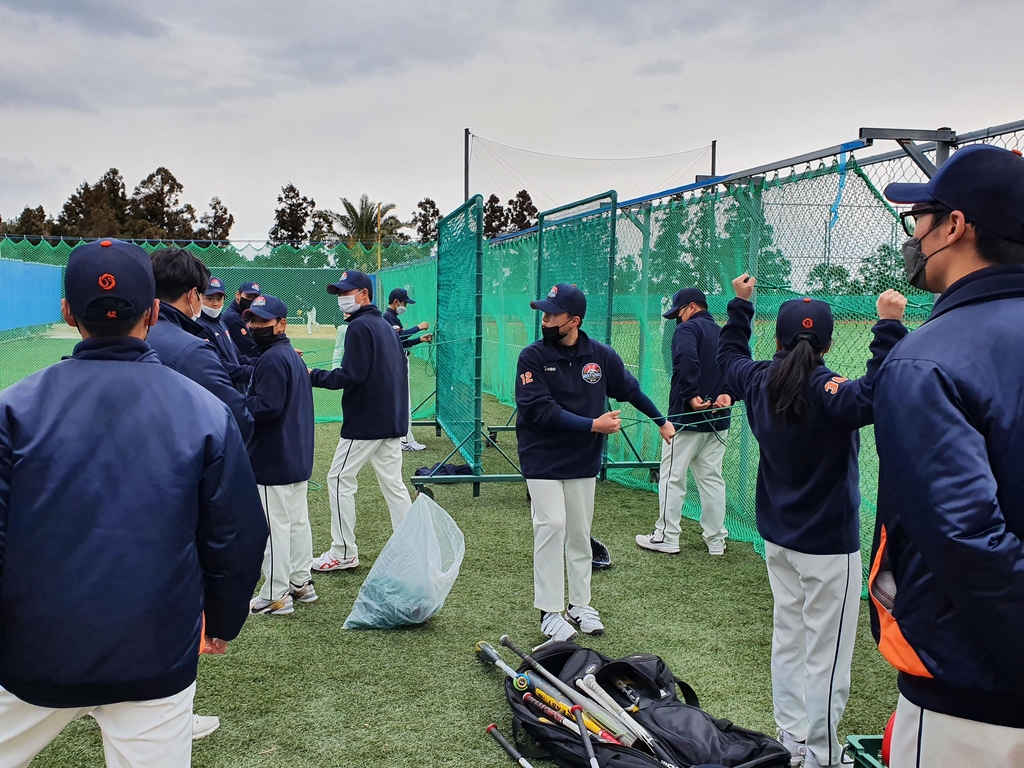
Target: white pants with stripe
{"x":817,"y":603}
{"x":562,"y":512}
{"x":925,"y":739}
{"x":386,"y":458}
{"x":289,"y":554}
{"x":136,"y":734}
{"x":702,"y":453}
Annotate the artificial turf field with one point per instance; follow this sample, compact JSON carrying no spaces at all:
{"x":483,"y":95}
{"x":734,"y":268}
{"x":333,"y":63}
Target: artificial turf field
{"x":299,"y":691}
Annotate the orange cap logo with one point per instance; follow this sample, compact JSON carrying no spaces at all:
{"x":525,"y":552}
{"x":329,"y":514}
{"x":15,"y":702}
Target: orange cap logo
{"x":107,"y":281}
{"x":808,"y":323}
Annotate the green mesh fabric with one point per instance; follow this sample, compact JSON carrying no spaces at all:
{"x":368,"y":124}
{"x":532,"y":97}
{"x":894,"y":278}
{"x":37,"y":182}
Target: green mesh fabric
{"x":459,"y":329}
{"x":32,"y":334}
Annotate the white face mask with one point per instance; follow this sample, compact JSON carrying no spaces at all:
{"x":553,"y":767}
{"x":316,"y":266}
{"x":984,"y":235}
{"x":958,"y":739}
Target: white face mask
{"x":348,"y":304}
{"x":211,"y":312}
{"x":200,"y":312}
{"x":401,"y":309}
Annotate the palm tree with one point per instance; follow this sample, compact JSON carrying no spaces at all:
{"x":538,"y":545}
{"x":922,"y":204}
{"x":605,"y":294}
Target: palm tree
{"x":359,"y":225}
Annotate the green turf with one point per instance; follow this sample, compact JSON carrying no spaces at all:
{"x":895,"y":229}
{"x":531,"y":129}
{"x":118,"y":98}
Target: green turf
{"x":301,"y":691}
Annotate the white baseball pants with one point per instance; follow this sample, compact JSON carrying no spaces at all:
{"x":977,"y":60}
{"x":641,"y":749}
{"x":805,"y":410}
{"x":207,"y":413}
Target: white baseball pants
{"x":349,"y":458}
{"x":925,"y":739}
{"x":703,"y":453}
{"x":289,"y":554}
{"x":408,"y":372}
{"x":562,"y":512}
{"x":136,"y":734}
{"x":817,"y":602}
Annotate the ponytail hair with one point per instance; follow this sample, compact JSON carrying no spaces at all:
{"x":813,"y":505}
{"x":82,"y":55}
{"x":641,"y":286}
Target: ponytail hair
{"x":788,"y":378}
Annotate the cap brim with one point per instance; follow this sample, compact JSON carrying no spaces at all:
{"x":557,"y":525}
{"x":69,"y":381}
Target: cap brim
{"x":547,"y":306}
{"x":215,"y":292}
{"x":339,"y":287}
{"x":409,"y":301}
{"x":908,"y":194}
{"x":674,"y":312}
{"x":261,"y":313}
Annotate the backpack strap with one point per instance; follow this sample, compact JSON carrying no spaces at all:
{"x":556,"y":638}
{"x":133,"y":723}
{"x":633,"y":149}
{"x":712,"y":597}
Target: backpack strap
{"x":689,"y":695}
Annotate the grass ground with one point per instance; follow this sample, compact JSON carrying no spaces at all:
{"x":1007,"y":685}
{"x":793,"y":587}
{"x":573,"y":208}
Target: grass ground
{"x":300,"y":691}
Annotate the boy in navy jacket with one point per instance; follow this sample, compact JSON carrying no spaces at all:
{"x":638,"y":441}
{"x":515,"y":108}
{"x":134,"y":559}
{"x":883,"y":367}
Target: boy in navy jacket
{"x":239,"y":368}
{"x":565,"y":380}
{"x":947,"y":575}
{"x":806,"y":421}
{"x":236,"y":324}
{"x":138,"y":478}
{"x":697,"y":399}
{"x":375,"y":407}
{"x":280,"y":399}
{"x":398,"y":303}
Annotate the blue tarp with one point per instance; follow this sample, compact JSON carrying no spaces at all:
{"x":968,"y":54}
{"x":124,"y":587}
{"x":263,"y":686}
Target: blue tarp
{"x":30,"y":294}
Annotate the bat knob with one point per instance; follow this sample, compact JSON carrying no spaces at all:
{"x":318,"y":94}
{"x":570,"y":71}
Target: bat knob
{"x":521,"y":683}
{"x":490,"y":728}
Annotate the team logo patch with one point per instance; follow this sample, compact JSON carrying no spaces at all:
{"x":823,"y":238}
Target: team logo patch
{"x":215,"y":283}
{"x":255,"y":286}
{"x":591,"y":373}
{"x":344,"y":275}
{"x":808,"y":323}
{"x":107,"y":281}
{"x":259,"y":301}
{"x":553,"y":292}
{"x":243,"y":331}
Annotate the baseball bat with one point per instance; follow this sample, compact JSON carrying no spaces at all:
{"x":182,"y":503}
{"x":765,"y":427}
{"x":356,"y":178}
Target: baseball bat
{"x":592,"y":726}
{"x":486,"y":652}
{"x":549,"y":715}
{"x":589,"y":682}
{"x":577,"y":711}
{"x":512,"y":751}
{"x":607,"y":721}
{"x":559,"y":716}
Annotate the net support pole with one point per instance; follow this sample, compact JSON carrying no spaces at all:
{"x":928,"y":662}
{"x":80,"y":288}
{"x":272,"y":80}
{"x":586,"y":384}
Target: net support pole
{"x":466,"y":154}
{"x":479,"y":343}
{"x":714,"y":158}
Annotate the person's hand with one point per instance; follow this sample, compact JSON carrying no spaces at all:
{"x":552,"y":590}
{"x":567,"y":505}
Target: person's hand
{"x":608,"y":423}
{"x":743,"y":286}
{"x":427,"y":337}
{"x":699,"y":404}
{"x":309,"y":370}
{"x":299,"y":351}
{"x":423,"y":326}
{"x":891,"y":305}
{"x":668,"y":431}
{"x":723,"y":401}
{"x":213,"y":646}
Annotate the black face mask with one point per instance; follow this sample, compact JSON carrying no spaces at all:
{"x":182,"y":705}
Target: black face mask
{"x":263,"y":337}
{"x":554,"y":332}
{"x":244,"y":303}
{"x":915,"y":261}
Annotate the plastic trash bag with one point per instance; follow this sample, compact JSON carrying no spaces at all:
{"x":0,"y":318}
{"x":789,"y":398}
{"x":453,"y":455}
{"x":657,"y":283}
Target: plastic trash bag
{"x":414,"y":572}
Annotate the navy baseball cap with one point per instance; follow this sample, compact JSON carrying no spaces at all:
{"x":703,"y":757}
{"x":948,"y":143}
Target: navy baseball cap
{"x":806,"y":315}
{"x":109,"y":280}
{"x":352,"y":280}
{"x":684,"y":298}
{"x":563,"y":297}
{"x":215,"y":286}
{"x":267,"y":307}
{"x":249,"y":288}
{"x":401,"y":295}
{"x":983,"y":182}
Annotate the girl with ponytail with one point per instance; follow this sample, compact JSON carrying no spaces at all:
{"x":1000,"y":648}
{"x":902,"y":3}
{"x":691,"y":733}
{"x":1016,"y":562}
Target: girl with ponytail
{"x":806,"y":419}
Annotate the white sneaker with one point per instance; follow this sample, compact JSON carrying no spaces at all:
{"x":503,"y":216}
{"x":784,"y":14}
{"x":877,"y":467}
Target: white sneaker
{"x":555,"y":627}
{"x":203,"y":726}
{"x":305,"y":593}
{"x":281,"y":607}
{"x":716,"y":550}
{"x":328,"y":562}
{"x":413,"y":446}
{"x":796,"y":748}
{"x":647,"y":541}
{"x":586,"y":619}
{"x":808,"y":758}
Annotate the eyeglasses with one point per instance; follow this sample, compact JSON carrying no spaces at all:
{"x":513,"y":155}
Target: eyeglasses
{"x":909,"y":218}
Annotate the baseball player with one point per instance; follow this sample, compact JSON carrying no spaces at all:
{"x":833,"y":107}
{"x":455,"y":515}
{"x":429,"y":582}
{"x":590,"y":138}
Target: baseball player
{"x":138,"y":477}
{"x":398,"y":303}
{"x":697,"y":389}
{"x":375,"y":408}
{"x":237,"y":326}
{"x":216,"y":332}
{"x":280,"y":399}
{"x":564,"y":382}
{"x":806,"y":421}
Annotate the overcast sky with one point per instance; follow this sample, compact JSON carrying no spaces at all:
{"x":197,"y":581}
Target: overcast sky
{"x":238,"y":98}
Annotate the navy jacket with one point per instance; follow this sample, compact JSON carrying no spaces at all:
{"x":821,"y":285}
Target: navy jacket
{"x":949,"y":426}
{"x":127,"y":509}
{"x":808,"y":480}
{"x":236,"y":325}
{"x":178,"y":342}
{"x":404,"y":334}
{"x":552,"y":385}
{"x":239,"y":369}
{"x":281,"y":400}
{"x":695,"y":374}
{"x":373,"y":373}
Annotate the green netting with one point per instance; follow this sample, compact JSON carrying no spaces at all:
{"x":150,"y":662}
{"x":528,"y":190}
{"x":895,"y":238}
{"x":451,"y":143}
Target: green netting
{"x":32,"y":334}
{"x":459,"y":329}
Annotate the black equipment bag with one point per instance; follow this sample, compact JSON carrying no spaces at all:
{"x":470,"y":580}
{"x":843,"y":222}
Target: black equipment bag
{"x":683,"y":729}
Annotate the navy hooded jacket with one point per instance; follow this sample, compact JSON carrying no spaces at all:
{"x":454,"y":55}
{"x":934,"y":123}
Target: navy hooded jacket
{"x":373,"y":373}
{"x":808,"y":480}
{"x":237,"y":327}
{"x":405,"y":334}
{"x":127,"y":509}
{"x":178,"y":342}
{"x":949,"y":427}
{"x":559,"y":392}
{"x":695,"y":374}
{"x":239,"y":369}
{"x":281,"y":400}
